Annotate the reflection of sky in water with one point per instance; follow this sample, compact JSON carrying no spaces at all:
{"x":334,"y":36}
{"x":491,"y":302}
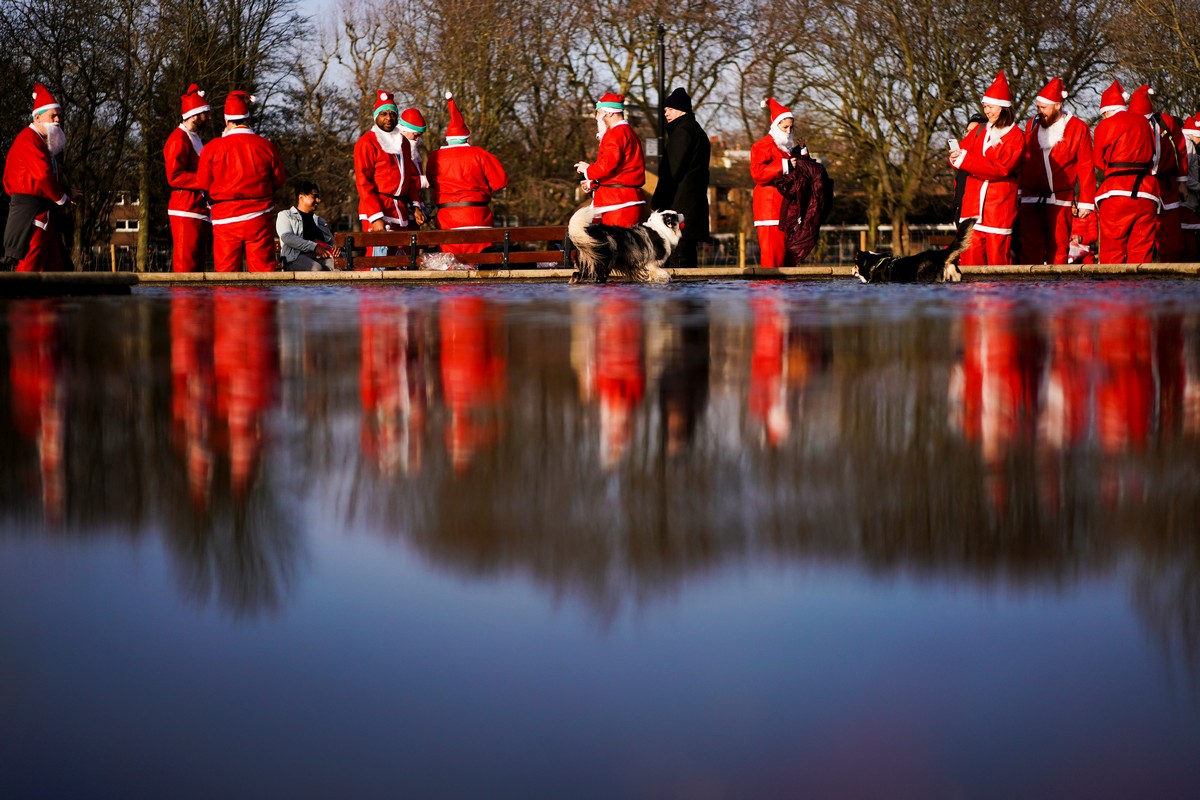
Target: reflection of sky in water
{"x":884,"y":596}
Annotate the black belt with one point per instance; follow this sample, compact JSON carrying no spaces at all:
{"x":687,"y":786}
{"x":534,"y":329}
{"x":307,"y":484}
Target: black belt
{"x":617,"y":186}
{"x":238,"y":199}
{"x":1140,"y":169}
{"x":465,"y":204}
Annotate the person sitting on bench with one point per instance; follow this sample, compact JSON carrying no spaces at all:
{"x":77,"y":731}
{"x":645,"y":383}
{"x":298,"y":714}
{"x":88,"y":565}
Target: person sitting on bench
{"x":305,"y":239}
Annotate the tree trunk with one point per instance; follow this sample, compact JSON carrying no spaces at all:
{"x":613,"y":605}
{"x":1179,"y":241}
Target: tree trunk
{"x":143,"y":237}
{"x":874,"y":215}
{"x":901,"y":241}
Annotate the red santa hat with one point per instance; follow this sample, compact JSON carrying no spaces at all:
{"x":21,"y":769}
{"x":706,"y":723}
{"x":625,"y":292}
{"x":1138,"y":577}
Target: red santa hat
{"x":998,"y":94}
{"x":457,"y":131}
{"x":1113,"y":99}
{"x":193,"y":102}
{"x":1139,"y":101}
{"x":779,"y":111}
{"x":1191,"y":126}
{"x":1052,"y":92}
{"x":237,"y":105}
{"x":43,"y":100}
{"x":611,"y":102}
{"x":412,"y":119}
{"x":385,"y":101}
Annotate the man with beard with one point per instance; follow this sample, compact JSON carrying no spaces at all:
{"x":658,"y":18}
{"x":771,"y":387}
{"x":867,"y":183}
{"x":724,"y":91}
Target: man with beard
{"x":388,"y":181}
{"x":187,"y":208}
{"x":463,"y":178}
{"x":770,"y":157}
{"x":241,"y":171}
{"x":36,"y":190}
{"x":616,"y":177}
{"x":1058,"y":155}
{"x":683,"y":176}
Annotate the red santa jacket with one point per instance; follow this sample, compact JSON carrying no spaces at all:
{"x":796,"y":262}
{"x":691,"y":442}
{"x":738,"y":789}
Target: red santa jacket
{"x":1170,"y":158}
{"x":30,"y":169}
{"x":1055,"y":159}
{"x":241,"y":172}
{"x":1124,"y":154}
{"x":181,"y":154}
{"x":386,"y":181}
{"x":767,"y":161}
{"x":461,"y":173}
{"x":619,"y":170}
{"x":992,"y":160}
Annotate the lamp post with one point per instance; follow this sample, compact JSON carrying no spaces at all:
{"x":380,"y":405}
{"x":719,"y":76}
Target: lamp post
{"x":662,"y":91}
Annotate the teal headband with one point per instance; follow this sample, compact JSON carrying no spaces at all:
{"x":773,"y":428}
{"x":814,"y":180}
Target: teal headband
{"x":617,"y":107}
{"x":387,"y":107}
{"x":411,"y":127}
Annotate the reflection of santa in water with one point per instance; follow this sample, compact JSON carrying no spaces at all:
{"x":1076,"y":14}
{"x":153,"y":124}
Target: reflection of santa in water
{"x":246,"y":365}
{"x":38,"y":394}
{"x":392,"y":385}
{"x":620,"y":374}
{"x":193,"y":388}
{"x":474,"y":381}
{"x":768,"y":394}
{"x":1125,"y":385}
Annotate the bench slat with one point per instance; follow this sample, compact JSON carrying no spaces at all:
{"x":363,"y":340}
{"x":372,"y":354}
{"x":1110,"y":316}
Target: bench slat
{"x":363,"y":239}
{"x":554,"y":257}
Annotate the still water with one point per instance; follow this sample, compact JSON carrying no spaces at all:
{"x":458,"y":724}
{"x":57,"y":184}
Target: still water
{"x":704,"y":541}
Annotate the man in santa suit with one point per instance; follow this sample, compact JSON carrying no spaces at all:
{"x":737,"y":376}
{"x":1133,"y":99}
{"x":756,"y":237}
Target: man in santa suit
{"x":616,"y":177}
{"x":1190,"y":210}
{"x":241,"y":171}
{"x":1128,"y":199}
{"x":1058,"y":155}
{"x":463,"y":178}
{"x":770,"y":157}
{"x":36,"y":190}
{"x":389,"y":185}
{"x":1169,"y":167}
{"x":991,"y":156}
{"x":187,"y":208}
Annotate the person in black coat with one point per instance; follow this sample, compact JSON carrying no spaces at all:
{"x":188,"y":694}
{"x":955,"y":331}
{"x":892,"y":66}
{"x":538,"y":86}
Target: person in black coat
{"x":683,"y":176}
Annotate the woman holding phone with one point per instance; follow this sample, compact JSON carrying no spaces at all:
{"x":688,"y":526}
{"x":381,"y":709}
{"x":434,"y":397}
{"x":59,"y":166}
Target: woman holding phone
{"x":990,"y":156}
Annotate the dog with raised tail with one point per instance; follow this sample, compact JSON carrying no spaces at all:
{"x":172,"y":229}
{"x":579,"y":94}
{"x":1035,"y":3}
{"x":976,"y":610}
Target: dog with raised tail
{"x":932,"y":266}
{"x":638,"y":253}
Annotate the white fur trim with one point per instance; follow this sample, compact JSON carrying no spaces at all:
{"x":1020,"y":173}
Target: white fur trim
{"x":189,"y":215}
{"x":996,"y":101}
{"x":989,"y":229}
{"x":241,"y":217}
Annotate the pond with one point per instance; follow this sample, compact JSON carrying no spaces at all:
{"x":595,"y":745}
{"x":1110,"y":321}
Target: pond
{"x":740,"y":539}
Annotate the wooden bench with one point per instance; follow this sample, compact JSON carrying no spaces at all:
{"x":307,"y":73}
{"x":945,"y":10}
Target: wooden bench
{"x":505,"y":241}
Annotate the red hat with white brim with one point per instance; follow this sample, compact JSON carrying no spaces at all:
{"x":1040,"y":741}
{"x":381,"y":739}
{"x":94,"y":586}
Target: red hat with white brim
{"x":1113,"y":98}
{"x":779,"y":111}
{"x":237,"y":105}
{"x":412,"y":119}
{"x":385,"y":101}
{"x":1139,"y":101}
{"x":457,"y":131}
{"x":43,"y":101}
{"x":1191,"y":125}
{"x":1052,"y":92}
{"x":611,"y":102}
{"x":192,"y":102}
{"x":998,"y":94}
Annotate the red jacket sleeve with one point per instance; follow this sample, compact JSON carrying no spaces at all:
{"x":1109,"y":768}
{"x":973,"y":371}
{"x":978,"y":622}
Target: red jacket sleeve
{"x":766,"y":162}
{"x":278,"y":173}
{"x":493,"y":170}
{"x":28,"y":169}
{"x":204,"y":170}
{"x":1085,"y":171}
{"x":609,"y":158}
{"x":1002,"y":161}
{"x":364,"y":179}
{"x":178,"y":174}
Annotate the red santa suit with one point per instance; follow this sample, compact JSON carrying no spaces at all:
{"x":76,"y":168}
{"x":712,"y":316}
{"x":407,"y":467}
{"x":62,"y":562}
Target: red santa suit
{"x":1171,"y":169}
{"x":241,"y":172}
{"x":1056,"y":159}
{"x":462,"y":179}
{"x":187,"y":207}
{"x":768,"y":160}
{"x":1128,"y":197}
{"x":388,"y":180}
{"x":30,"y":169}
{"x":474,"y":370}
{"x":619,"y":171}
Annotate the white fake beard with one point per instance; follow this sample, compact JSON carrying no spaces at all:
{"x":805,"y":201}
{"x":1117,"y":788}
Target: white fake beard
{"x":783,"y":140}
{"x":391,"y":141}
{"x":600,"y":129}
{"x":56,"y":140}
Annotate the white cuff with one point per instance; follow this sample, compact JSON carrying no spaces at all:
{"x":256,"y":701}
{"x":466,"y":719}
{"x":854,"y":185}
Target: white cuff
{"x":1087,"y":207}
{"x":374,"y":217}
{"x":957,"y":163}
{"x":424,"y":182}
{"x":62,"y":201}
{"x":787,"y":166}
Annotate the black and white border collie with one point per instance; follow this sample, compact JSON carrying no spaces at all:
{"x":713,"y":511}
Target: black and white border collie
{"x":638,"y":253}
{"x":932,"y":266}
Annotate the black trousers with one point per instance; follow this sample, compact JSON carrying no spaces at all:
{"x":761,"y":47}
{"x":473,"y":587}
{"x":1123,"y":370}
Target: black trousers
{"x":22,"y":208}
{"x":684,"y":255}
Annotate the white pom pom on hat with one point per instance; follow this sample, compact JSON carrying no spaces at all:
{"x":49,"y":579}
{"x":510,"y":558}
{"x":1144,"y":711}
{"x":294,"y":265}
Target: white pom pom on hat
{"x":449,"y":95}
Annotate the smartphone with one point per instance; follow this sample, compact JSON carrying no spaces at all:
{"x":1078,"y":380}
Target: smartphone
{"x":952,"y":143}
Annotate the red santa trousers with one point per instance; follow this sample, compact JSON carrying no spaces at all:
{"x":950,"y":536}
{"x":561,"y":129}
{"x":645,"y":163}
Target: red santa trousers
{"x":1043,"y":233}
{"x":1171,"y":246}
{"x":772,"y":252}
{"x":1128,"y":229}
{"x":987,"y":248}
{"x":626,"y":217}
{"x":188,"y":237}
{"x":44,"y":254}
{"x":252,"y":236}
{"x":460,"y":217}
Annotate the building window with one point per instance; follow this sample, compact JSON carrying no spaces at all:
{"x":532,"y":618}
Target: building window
{"x":125,"y":225}
{"x":120,"y":199}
